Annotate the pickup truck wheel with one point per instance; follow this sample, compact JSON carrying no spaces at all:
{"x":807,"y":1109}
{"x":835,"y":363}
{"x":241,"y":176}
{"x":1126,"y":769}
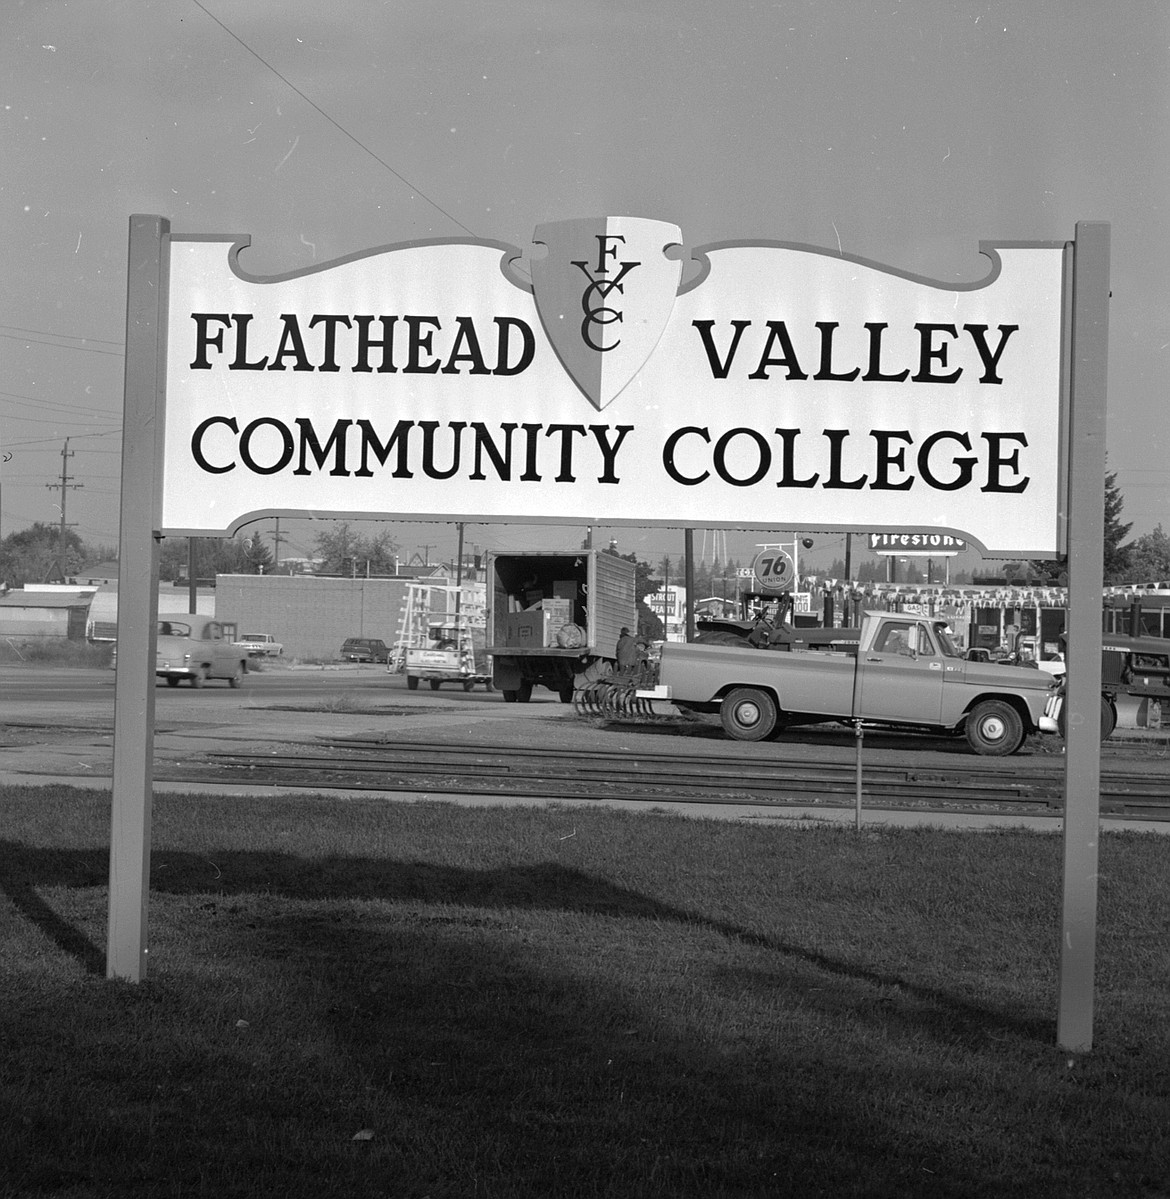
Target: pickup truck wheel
{"x":994,"y":729}
{"x":434,"y":684}
{"x":411,"y":683}
{"x":566,"y":693}
{"x":172,"y":681}
{"x":524,"y":692}
{"x":236,"y":680}
{"x":468,"y":684}
{"x":509,"y":695}
{"x":748,"y":714}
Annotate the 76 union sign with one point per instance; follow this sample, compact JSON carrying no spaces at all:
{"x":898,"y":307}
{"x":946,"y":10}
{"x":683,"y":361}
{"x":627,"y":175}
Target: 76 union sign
{"x":606,"y":374}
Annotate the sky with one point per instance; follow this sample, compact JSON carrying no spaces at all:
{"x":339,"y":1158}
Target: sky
{"x":901,"y":132}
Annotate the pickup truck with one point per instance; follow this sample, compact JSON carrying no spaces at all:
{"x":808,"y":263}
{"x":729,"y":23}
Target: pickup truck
{"x":259,"y":645}
{"x":449,"y":656}
{"x":904,"y":671}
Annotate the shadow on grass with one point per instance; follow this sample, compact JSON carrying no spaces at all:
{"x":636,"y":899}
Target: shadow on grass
{"x":474,"y":1071}
{"x":539,"y":887}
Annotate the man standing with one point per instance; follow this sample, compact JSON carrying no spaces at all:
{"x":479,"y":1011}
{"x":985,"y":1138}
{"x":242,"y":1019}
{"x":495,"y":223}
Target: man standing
{"x":627,"y":650}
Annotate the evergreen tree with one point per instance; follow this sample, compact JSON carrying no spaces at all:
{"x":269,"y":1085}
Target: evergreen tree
{"x":1115,"y":557}
{"x":259,"y":555}
{"x":1149,"y":558}
{"x":1116,"y":554}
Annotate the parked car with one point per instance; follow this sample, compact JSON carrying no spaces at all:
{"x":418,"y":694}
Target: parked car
{"x":364,"y":649}
{"x":194,"y":648}
{"x":259,"y":645}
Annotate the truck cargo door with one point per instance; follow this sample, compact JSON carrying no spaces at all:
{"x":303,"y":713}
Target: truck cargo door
{"x":901,"y":676}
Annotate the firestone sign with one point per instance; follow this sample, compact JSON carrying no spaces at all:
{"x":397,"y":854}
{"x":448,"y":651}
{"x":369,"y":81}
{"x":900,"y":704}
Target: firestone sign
{"x":608,"y":375}
{"x":922,"y":544}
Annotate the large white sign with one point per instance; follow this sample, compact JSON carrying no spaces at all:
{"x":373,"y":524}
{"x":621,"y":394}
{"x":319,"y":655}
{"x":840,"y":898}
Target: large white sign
{"x":608,"y":376}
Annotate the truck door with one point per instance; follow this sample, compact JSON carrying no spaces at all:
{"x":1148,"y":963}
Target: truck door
{"x":900,"y":677}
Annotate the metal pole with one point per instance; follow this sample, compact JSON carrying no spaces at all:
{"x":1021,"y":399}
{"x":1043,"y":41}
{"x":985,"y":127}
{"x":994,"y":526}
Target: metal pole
{"x":859,"y":730}
{"x":133,"y":781}
{"x":192,"y":584}
{"x":1086,"y":539}
{"x":689,"y":582}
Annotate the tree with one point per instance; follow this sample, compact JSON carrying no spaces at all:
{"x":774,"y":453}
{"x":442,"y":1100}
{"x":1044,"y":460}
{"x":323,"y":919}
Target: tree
{"x":1116,"y":555}
{"x":871,"y":571}
{"x":212,"y":556}
{"x":259,"y":555}
{"x":343,"y":552}
{"x":380,"y":552}
{"x":31,"y":556}
{"x":1149,"y":557}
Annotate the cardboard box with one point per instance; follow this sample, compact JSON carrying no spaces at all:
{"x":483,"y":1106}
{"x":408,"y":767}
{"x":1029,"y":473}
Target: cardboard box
{"x":560,"y":612}
{"x":528,"y":630}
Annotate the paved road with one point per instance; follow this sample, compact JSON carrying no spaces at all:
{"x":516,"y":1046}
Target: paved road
{"x":50,"y":685}
{"x":58,"y":725}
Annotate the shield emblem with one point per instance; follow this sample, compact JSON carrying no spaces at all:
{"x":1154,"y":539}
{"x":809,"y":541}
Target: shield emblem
{"x":604,"y":291}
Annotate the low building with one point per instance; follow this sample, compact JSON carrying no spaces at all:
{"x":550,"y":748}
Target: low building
{"x":60,"y":614}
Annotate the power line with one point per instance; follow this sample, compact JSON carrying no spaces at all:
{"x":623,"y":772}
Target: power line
{"x":18,"y":396}
{"x":71,"y":336}
{"x":339,"y":127}
{"x":51,"y":440}
{"x":56,"y":420}
{"x":60,"y":345}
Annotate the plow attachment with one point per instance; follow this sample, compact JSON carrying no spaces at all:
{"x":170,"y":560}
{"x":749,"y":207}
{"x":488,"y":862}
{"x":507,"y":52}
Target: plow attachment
{"x":619,"y":697}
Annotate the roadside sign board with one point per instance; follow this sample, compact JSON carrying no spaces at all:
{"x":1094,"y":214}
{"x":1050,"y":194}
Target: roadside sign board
{"x":774,"y":570}
{"x":921,"y":544}
{"x":608,"y":374}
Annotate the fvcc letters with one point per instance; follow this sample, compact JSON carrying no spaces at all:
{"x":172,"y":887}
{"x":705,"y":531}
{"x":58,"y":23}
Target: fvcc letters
{"x":609,"y":375}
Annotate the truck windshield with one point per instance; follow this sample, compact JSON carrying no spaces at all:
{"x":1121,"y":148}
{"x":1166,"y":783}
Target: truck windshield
{"x":949,"y":649}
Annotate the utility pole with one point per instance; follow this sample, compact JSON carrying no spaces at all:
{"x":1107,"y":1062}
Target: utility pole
{"x":65,"y":485}
{"x":276,"y":540}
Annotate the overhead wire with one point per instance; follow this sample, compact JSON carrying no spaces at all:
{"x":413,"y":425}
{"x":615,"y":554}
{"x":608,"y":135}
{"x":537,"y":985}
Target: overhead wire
{"x":336,"y":124}
{"x":71,"y":336}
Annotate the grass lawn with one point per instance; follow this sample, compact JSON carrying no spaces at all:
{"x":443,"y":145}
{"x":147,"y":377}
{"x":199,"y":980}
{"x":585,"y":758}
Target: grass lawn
{"x":360,"y":998}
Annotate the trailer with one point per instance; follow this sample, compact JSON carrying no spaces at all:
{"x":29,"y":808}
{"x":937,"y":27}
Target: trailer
{"x":554,"y":618}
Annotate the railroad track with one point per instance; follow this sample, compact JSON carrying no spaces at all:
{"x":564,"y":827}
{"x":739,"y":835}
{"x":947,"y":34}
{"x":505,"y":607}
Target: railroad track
{"x":708,"y":778}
